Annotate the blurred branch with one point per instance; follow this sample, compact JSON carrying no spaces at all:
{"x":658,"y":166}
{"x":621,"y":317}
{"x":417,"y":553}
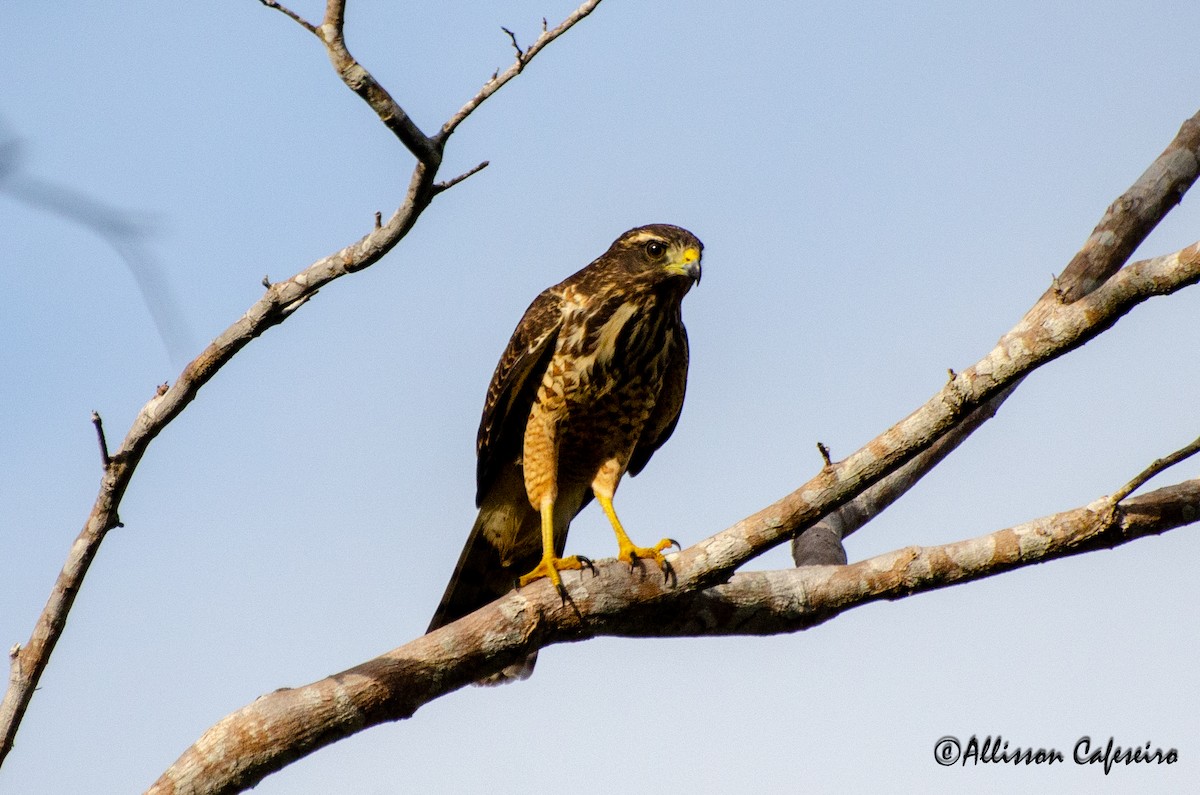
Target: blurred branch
{"x":115,"y":227}
{"x":280,"y":300}
{"x":1123,"y":228}
{"x":283,"y":725}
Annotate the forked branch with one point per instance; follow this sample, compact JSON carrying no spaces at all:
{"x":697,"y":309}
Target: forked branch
{"x":1123,"y":228}
{"x":285,"y":724}
{"x":279,"y":301}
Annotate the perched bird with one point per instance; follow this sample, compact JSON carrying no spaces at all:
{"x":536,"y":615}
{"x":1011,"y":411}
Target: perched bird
{"x":590,"y":385}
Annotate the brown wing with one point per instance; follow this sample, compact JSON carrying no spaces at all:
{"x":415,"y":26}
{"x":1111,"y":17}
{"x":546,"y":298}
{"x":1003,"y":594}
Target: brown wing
{"x":513,"y":387}
{"x":662,"y":420}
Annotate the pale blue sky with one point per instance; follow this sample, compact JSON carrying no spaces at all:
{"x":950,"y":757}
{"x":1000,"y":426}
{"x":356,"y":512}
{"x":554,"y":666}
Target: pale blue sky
{"x":882,"y":191}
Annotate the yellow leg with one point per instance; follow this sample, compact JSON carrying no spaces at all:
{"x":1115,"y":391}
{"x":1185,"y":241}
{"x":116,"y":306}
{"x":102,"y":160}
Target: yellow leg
{"x":627,"y":550}
{"x":550,"y":566}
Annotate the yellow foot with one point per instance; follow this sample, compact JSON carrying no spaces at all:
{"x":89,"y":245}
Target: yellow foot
{"x":631,"y":554}
{"x":551,"y":566}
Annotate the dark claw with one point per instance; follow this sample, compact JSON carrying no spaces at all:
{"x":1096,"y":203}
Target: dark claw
{"x":676,"y":544}
{"x":587,"y":564}
{"x":669,"y":573}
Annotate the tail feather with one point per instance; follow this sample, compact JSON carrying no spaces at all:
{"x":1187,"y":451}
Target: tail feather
{"x":484,"y":572}
{"x":505,"y":542}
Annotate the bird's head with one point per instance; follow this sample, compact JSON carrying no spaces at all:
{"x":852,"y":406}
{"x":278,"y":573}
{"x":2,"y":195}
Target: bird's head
{"x":660,"y":252}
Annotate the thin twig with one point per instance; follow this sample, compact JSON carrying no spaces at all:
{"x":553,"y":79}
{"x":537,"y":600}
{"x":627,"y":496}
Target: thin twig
{"x":1166,"y":462}
{"x":824,"y":451}
{"x":450,"y":183}
{"x":304,"y":23}
{"x":99,"y":424}
{"x":513,"y":37}
{"x":500,"y":78}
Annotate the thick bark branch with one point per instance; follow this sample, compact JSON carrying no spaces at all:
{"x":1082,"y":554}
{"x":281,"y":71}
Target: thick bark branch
{"x":287,"y":724}
{"x":1135,"y":214}
{"x":775,"y":602}
{"x":821,"y":544}
{"x":280,"y":300}
{"x":1123,"y":228}
{"x":1050,"y":331}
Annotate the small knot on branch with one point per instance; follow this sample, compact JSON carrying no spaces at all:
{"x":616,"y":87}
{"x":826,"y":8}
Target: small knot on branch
{"x":1056,"y":287}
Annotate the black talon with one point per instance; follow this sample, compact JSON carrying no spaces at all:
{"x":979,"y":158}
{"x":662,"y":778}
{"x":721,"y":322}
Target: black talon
{"x":669,"y":573}
{"x":587,"y":563}
{"x":676,"y":544}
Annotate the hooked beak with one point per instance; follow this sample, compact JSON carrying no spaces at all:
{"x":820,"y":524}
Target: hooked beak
{"x":689,"y":264}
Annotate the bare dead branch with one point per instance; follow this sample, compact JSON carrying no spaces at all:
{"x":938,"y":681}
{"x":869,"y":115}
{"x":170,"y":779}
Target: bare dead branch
{"x":769,"y":603}
{"x":821,"y":543}
{"x":1135,"y":214}
{"x":277,"y":304}
{"x":1060,"y":329}
{"x":450,"y":183}
{"x":286,"y":724}
{"x":99,"y":425}
{"x":363,"y":83}
{"x":1156,"y":468}
{"x":1124,"y":226}
{"x":500,"y":78}
{"x":304,"y":23}
{"x":513,"y":37}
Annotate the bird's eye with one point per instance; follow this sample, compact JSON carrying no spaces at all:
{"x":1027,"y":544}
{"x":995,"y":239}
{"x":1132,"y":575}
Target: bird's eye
{"x":656,"y":248}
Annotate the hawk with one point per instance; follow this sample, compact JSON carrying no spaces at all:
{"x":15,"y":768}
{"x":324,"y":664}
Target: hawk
{"x":590,"y":385}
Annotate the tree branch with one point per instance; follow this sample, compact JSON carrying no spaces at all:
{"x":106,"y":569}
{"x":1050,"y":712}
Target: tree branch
{"x":1162,"y":464}
{"x":332,"y":32}
{"x":523,"y":57}
{"x":1135,"y":214}
{"x":1059,"y":328}
{"x":301,"y":21}
{"x":289,"y":723}
{"x":277,"y":304}
{"x":1123,"y":228}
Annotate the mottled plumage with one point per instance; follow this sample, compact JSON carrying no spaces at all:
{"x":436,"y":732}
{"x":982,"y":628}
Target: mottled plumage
{"x":590,"y":385}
